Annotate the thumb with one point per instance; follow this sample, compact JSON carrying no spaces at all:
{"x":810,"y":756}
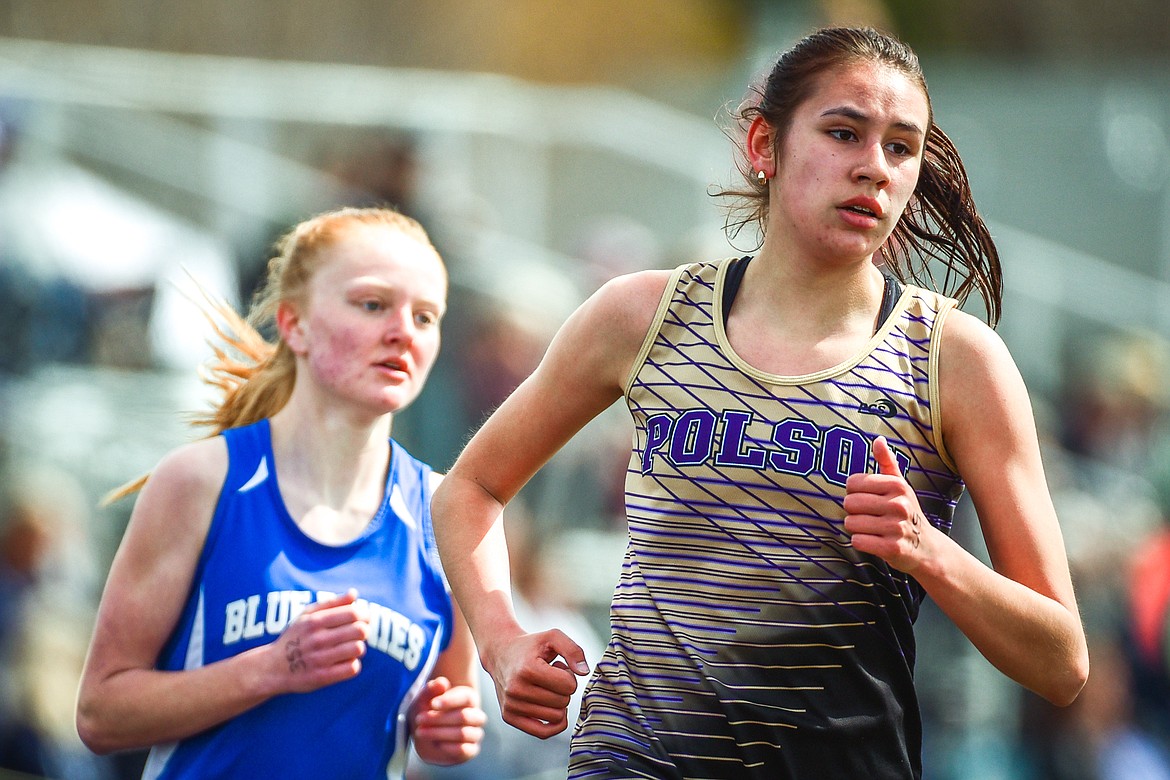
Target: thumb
{"x":435,"y":687}
{"x":886,"y":462}
{"x":438,"y":685}
{"x":561,"y":645}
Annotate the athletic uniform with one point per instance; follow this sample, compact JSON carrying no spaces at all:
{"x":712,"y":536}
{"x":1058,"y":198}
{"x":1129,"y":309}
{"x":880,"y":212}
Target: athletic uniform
{"x":750,"y":640}
{"x":257,"y":572}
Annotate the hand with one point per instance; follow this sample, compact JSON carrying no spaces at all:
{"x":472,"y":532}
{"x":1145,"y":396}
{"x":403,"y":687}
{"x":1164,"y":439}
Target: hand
{"x":322,"y":646}
{"x":883,"y":516}
{"x":447,"y":723}
{"x":534,"y":681}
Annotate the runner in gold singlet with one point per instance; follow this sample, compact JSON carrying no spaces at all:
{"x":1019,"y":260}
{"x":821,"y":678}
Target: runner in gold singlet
{"x":803,"y":425}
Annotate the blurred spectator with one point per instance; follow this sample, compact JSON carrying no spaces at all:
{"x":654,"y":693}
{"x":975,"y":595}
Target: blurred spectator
{"x":1106,"y":474}
{"x":379,"y":169}
{"x":46,"y":578}
{"x":1098,"y":737}
{"x":1111,"y":419}
{"x":1149,"y":602}
{"x":43,"y":316}
{"x":96,"y":270}
{"x":502,"y":312}
{"x":24,"y":540}
{"x":1115,"y":399}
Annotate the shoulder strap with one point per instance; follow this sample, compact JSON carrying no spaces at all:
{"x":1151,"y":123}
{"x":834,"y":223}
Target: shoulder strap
{"x":731,"y":282}
{"x":890,"y":298}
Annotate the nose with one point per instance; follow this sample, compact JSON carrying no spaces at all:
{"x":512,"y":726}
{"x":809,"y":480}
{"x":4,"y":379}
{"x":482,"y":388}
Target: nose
{"x":400,"y":325}
{"x":873,"y":166}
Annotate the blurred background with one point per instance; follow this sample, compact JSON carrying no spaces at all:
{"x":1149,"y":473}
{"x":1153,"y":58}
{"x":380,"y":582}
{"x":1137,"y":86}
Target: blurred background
{"x":547,"y":145}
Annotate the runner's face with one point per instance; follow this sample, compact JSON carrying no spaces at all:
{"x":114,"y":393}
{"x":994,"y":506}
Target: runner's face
{"x":849,"y":162}
{"x":369,"y":333}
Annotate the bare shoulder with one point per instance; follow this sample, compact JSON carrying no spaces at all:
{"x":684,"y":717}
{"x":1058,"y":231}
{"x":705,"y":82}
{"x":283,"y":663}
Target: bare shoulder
{"x":184,"y":487}
{"x":600,"y":340}
{"x":628,"y":302}
{"x":199,"y":466}
{"x":969,"y":344}
{"x":983,"y":395}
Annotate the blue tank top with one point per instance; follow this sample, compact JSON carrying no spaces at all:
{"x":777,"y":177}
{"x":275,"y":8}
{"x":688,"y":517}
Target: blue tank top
{"x":256,"y":573}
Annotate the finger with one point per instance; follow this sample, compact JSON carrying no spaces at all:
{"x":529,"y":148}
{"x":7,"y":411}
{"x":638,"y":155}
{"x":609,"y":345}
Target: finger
{"x":557,"y":643}
{"x":331,"y":662}
{"x":340,"y":600}
{"x":863,"y":500}
{"x":435,"y":687}
{"x":452,"y":718}
{"x":528,"y":697}
{"x":339,"y":617}
{"x":547,"y":684}
{"x":524,"y":699}
{"x":862,"y":524}
{"x":319,"y":677}
{"x":535,"y":726}
{"x":317,"y":637}
{"x":454,"y":698}
{"x":453,"y":734}
{"x":443,"y":753}
{"x":886,"y":462}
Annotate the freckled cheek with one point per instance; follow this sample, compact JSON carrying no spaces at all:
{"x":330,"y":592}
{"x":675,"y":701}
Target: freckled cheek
{"x":330,"y":370}
{"x":336,"y":358}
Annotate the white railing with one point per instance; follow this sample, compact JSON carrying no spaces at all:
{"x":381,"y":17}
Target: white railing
{"x":128,"y":101}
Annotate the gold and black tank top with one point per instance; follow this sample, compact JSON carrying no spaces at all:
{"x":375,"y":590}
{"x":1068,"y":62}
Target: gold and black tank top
{"x":749,"y":638}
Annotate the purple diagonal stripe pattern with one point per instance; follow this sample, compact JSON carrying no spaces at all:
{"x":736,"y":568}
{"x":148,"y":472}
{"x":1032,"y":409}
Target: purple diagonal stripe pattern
{"x":749,"y":638}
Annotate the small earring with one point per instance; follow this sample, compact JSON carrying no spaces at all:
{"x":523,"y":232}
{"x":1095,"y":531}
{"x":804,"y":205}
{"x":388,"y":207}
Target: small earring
{"x":761,"y":177}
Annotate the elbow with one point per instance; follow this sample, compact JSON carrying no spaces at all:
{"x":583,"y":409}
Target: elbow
{"x":92,"y":737}
{"x":92,"y":729}
{"x":1064,"y":688}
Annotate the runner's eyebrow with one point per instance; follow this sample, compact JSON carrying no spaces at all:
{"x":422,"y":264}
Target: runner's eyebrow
{"x":858,"y":116}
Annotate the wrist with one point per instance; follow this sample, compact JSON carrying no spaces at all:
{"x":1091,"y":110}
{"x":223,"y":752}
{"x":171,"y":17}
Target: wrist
{"x":263,"y":672}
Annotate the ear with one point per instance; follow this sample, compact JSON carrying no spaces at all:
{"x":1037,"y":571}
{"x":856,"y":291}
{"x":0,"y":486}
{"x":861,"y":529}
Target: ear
{"x":761,"y":146}
{"x":288,"y":325}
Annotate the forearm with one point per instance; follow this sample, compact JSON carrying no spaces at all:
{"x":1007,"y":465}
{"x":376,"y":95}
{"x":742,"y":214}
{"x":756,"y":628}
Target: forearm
{"x":469,"y":530}
{"x":138,"y":708}
{"x":1032,"y":638}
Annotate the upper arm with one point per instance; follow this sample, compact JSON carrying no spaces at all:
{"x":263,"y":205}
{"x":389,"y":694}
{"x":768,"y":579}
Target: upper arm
{"x":990,"y":432}
{"x":152,"y":571}
{"x":582,"y":373}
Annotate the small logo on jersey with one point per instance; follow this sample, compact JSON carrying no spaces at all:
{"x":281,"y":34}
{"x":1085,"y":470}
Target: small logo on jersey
{"x":883,"y":407}
{"x":257,"y":478}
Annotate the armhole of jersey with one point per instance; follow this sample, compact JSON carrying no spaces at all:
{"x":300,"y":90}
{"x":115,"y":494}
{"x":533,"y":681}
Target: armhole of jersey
{"x":655,"y":326}
{"x":433,"y":478}
{"x":428,"y":481}
{"x":945,"y":306}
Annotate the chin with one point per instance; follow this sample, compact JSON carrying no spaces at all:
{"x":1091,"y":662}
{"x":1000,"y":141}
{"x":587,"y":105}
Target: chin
{"x":396,"y":402}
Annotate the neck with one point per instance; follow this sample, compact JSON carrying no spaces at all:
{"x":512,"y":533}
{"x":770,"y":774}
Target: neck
{"x":329,"y":455}
{"x":813,"y":295}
